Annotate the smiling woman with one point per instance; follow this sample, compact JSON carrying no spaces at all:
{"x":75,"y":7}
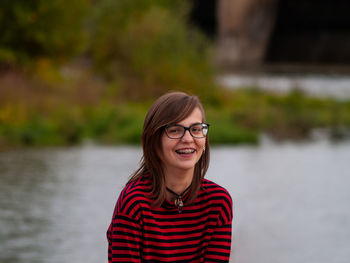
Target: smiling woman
{"x":168,"y":212}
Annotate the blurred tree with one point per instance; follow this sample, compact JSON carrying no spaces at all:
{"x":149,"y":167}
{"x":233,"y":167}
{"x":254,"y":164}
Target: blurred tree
{"x":148,"y":47}
{"x":41,"y":28}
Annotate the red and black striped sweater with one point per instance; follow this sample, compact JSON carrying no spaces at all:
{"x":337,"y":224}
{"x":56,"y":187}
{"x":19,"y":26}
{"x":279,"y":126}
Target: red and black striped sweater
{"x":141,"y":233}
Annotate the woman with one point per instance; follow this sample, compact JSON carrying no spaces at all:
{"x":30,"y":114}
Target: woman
{"x":168,"y":212}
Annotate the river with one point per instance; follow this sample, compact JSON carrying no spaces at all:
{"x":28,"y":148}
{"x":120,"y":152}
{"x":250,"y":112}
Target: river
{"x":320,"y":85}
{"x":291,"y":201}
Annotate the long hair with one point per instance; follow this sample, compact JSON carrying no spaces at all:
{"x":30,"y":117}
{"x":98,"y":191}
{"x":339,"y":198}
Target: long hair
{"x":172,"y":107}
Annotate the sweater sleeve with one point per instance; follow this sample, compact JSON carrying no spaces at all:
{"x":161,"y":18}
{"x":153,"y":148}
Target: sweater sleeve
{"x":219,"y":247}
{"x":124,"y":239}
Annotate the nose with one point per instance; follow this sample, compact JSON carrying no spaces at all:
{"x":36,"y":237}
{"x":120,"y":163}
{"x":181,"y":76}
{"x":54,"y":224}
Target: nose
{"x":187,"y":136}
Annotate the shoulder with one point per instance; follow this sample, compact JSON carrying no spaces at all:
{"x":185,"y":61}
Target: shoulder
{"x":214,"y":190}
{"x":133,"y":195}
{"x":218,"y":198}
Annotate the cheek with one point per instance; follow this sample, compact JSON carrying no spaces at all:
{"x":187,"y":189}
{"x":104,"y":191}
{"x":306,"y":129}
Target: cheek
{"x":201,"y":144}
{"x":166,"y":145}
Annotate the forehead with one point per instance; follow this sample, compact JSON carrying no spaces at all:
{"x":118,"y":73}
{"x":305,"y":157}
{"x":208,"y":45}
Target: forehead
{"x":194,"y":117}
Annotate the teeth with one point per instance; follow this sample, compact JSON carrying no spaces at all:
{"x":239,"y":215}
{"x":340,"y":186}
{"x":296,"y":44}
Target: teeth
{"x":185,"y":151}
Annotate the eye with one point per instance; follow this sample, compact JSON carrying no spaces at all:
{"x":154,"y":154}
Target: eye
{"x":197,"y":129}
{"x":174,"y":129}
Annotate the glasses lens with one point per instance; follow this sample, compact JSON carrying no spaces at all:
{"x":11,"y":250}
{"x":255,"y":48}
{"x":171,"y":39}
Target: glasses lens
{"x":199,"y":130}
{"x":174,"y":131}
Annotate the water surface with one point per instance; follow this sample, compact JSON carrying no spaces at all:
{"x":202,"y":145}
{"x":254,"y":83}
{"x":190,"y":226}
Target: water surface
{"x":290,"y":201}
{"x":320,"y":85}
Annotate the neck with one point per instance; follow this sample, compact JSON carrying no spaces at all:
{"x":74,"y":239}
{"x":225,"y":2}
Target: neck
{"x":178,"y":181}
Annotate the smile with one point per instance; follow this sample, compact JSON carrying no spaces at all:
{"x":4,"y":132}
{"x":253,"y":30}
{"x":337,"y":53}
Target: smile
{"x":185,"y":151}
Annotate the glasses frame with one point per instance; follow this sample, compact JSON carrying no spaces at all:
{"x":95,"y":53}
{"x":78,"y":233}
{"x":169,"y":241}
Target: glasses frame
{"x":186,"y":129}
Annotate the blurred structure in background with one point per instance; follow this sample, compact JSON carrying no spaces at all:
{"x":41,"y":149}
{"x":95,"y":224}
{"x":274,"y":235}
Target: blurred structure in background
{"x":251,"y":33}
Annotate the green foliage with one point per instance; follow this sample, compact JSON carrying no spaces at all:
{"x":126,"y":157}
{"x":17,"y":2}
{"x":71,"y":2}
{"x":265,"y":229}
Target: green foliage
{"x":148,"y":47}
{"x":224,"y":130}
{"x":114,"y":123}
{"x":240,"y":117}
{"x":104,"y":123}
{"x":36,"y":28}
{"x":293,"y":115}
{"x":141,"y":48}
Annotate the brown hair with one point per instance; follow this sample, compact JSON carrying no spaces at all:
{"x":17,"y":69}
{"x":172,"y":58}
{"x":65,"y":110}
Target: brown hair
{"x":172,"y":107}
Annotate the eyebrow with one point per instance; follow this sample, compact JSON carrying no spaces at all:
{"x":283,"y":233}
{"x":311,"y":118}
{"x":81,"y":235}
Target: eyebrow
{"x":184,"y":125}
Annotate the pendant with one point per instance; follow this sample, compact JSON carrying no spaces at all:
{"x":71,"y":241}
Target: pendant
{"x":179,"y":204}
{"x":178,"y":200}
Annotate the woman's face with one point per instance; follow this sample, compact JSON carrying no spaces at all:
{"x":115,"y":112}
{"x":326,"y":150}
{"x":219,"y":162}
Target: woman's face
{"x":179,"y":155}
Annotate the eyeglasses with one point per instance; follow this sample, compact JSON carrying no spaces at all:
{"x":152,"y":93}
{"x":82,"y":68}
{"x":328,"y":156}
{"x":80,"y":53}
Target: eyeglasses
{"x":177,"y":131}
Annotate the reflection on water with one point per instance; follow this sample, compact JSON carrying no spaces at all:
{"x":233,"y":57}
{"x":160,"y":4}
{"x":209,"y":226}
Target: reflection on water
{"x":290,"y":201}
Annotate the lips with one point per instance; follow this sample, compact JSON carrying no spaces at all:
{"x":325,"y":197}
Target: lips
{"x":185,"y":151}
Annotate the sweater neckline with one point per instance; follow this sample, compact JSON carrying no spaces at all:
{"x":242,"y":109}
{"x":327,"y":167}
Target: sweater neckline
{"x":171,"y":204}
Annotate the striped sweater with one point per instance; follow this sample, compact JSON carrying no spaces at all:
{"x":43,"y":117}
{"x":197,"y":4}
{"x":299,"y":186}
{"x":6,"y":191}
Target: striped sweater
{"x":141,"y":233}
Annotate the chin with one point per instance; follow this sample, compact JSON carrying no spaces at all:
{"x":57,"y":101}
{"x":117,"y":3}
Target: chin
{"x":186,"y":166}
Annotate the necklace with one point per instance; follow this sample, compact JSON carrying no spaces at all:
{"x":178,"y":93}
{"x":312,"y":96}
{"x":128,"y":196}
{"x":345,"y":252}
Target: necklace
{"x":178,"y":199}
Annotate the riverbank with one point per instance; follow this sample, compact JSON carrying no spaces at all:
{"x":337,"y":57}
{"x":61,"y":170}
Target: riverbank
{"x":71,"y":112}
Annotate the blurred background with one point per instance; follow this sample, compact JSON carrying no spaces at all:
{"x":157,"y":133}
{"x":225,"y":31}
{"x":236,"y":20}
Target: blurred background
{"x":77,"y":78}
